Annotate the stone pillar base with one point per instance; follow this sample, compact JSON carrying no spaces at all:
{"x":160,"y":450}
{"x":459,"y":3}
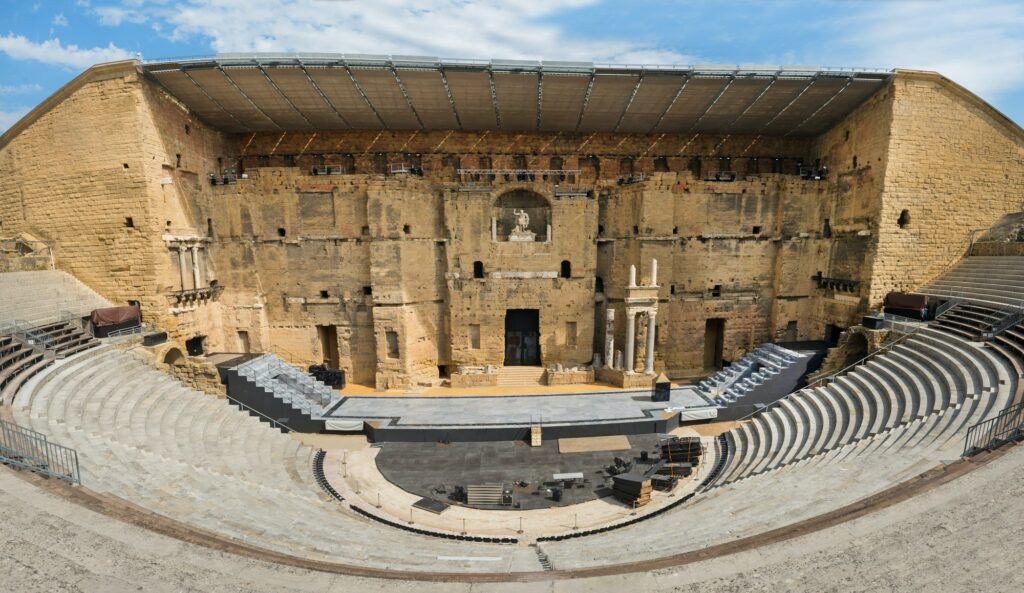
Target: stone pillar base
{"x":621,"y":379}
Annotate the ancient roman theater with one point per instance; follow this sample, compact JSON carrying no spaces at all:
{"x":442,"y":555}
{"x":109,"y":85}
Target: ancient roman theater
{"x":315,"y":322}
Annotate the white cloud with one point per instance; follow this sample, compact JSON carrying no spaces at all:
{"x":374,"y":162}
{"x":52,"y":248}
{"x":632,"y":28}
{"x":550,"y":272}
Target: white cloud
{"x":60,"y":20}
{"x":516,"y":29}
{"x":19,"y":89}
{"x":978,"y":44}
{"x":9,"y":117}
{"x":113,"y":16}
{"x":53,"y":52}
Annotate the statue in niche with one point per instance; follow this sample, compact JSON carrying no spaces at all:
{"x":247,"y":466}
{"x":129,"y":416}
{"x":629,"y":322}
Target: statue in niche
{"x":521,"y":231}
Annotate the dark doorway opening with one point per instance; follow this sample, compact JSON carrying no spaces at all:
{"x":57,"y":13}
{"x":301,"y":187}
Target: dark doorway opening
{"x":195,"y":346}
{"x":714,"y":339}
{"x":522,"y":337}
{"x":832,"y":333}
{"x":328,"y":336}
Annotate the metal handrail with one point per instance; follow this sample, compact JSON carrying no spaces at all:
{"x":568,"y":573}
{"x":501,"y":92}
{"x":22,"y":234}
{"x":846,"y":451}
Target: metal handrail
{"x":25,"y":448}
{"x":1007,"y":426}
{"x":273,"y":421}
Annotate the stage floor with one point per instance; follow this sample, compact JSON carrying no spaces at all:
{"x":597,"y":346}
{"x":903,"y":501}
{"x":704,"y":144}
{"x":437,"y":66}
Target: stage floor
{"x":420,"y":468}
{"x":513,"y":410}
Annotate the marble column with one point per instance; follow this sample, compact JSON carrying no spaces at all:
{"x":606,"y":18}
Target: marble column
{"x":654,"y":272}
{"x":181,"y":266}
{"x":609,"y":338}
{"x":632,"y":276}
{"x":628,"y":363}
{"x":649,"y":353}
{"x":195,"y":267}
{"x":494,"y":230}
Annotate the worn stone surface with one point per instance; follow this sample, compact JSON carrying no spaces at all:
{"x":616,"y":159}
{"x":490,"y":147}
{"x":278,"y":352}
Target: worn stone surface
{"x":376,"y":273}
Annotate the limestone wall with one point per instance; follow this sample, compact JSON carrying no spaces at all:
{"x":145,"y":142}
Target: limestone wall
{"x":955,"y":165}
{"x":400,"y":278}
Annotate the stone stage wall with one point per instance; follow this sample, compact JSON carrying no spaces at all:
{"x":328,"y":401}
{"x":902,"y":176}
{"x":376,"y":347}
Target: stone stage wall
{"x":377,"y":272}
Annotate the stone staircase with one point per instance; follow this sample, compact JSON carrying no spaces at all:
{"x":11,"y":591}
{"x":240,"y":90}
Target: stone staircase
{"x":991,"y":281}
{"x":513,"y":376}
{"x":36,"y":298}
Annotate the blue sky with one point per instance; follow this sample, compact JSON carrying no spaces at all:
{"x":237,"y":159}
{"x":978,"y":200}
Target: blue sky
{"x":978,"y":43}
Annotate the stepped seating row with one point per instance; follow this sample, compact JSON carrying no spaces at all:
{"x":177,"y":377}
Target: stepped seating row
{"x":64,"y":338}
{"x":18,"y":362}
{"x":300,"y":390}
{"x":743,"y":375}
{"x":903,"y":413}
{"x":927,"y":374}
{"x":144,"y":437}
{"x":996,"y":281}
{"x":35,"y":298}
{"x":971,"y":320}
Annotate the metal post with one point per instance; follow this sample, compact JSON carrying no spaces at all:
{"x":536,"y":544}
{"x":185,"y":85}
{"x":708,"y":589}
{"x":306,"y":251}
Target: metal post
{"x":410,"y":515}
{"x":520,"y":525}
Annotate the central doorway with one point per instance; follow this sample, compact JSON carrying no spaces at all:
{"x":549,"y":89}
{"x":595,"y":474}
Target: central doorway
{"x":522,"y":337}
{"x":714,"y":338}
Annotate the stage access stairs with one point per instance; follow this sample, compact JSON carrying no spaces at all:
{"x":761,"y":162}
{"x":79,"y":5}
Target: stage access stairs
{"x":758,"y":371}
{"x":280,"y":394}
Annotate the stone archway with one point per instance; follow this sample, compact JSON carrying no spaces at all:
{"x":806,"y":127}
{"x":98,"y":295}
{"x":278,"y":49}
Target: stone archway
{"x":174,"y":357}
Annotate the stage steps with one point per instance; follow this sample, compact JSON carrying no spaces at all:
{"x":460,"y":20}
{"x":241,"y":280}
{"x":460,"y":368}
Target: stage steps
{"x":525,"y":376}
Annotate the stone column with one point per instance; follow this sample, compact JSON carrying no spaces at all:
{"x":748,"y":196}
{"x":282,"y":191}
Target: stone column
{"x":609,"y":338}
{"x":548,"y":240}
{"x":195,"y":267}
{"x":649,"y":355}
{"x":632,"y":276}
{"x":628,"y":363}
{"x":494,"y":230}
{"x":654,"y":272}
{"x":181,"y":266}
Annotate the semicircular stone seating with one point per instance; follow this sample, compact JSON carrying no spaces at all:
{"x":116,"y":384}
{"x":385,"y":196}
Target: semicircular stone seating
{"x":146,"y":438}
{"x":904,"y":412}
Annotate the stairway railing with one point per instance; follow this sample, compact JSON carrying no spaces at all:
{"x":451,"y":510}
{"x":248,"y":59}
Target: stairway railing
{"x":31,"y":450}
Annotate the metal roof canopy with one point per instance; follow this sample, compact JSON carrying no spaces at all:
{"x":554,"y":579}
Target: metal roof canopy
{"x":283,"y":92}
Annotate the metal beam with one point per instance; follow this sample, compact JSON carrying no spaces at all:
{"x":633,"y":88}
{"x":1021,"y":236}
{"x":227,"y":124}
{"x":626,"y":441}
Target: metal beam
{"x":788,"y":105}
{"x":849,"y":81}
{"x":232,"y":82}
{"x":494,"y":96}
{"x":322,"y":94}
{"x":362,"y":93}
{"x":712,"y":104}
{"x":752,"y":103}
{"x":586,"y":101}
{"x":636,"y":88}
{"x":218,"y":103}
{"x":540,"y":97}
{"x":285,"y":97}
{"x":451,"y":98}
{"x":682,"y":87}
{"x":408,"y":99}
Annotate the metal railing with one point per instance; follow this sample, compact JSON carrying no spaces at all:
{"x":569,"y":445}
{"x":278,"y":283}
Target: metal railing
{"x":273,"y":421}
{"x":31,"y":450}
{"x":989,"y":434}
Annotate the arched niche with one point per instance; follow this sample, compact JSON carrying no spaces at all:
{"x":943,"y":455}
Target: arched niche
{"x":508,"y":214}
{"x":174,"y":357}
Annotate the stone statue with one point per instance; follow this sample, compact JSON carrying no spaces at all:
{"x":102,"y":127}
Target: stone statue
{"x":522,"y":220}
{"x":521,"y":232}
